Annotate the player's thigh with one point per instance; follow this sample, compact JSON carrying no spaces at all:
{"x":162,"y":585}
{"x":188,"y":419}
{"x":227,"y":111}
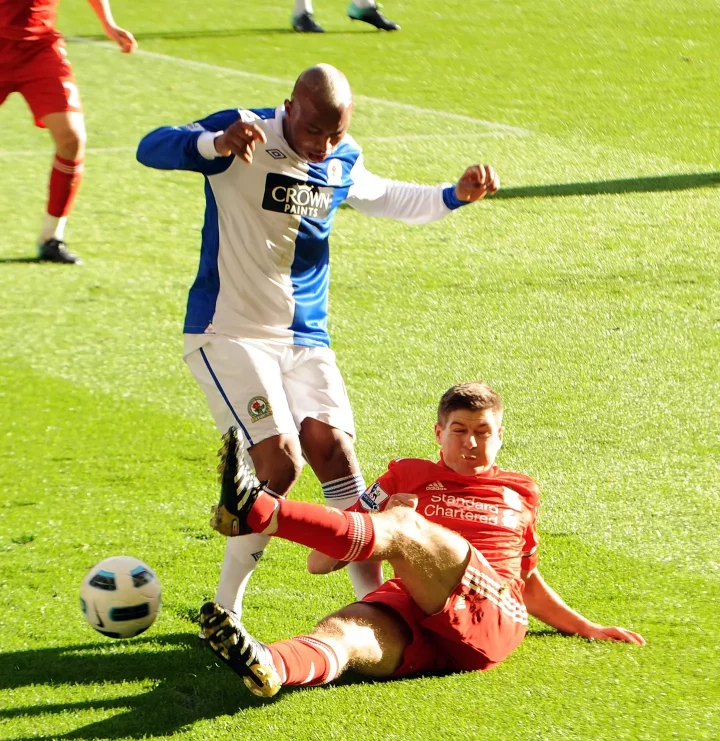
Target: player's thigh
{"x":243,"y":385}
{"x":429,"y":558}
{"x":47,"y":83}
{"x":316,"y":390}
{"x":370,"y":638}
{"x":484,"y":619}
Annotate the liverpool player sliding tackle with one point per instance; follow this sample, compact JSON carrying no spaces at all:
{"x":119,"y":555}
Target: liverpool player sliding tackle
{"x":460,"y":535}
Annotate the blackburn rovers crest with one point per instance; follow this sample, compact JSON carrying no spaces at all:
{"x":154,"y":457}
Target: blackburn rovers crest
{"x":259,"y":408}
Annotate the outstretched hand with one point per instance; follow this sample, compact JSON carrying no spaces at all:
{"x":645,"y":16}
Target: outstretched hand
{"x":124,"y":39}
{"x":476,"y":182}
{"x":613,"y":633}
{"x":239,"y":139}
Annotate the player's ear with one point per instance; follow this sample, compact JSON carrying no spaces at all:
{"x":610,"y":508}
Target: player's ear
{"x":438,"y":433}
{"x":288,"y":108}
{"x":501,"y":432}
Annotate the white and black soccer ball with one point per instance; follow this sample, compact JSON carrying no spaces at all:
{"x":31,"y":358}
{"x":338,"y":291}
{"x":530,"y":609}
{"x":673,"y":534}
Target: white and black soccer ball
{"x":120,"y":597}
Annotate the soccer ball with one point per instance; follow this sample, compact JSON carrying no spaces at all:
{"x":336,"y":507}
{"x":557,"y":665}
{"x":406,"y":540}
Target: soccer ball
{"x":120,"y":597}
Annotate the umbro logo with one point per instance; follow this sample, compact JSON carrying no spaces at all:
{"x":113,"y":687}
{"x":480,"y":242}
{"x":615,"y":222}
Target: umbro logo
{"x":435,"y":486}
{"x":276,"y":154}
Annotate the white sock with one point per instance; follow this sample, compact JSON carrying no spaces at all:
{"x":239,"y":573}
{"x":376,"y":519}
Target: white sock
{"x":343,"y":493}
{"x":365,"y":576}
{"x":53,"y":227}
{"x":302,"y":6}
{"x":242,"y":554}
{"x":365,"y":3}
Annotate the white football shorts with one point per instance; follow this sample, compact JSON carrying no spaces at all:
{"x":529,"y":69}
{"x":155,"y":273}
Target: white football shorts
{"x":267,"y":388}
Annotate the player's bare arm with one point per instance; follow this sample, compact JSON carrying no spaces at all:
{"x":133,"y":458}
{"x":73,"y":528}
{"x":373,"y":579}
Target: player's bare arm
{"x":477,"y":182}
{"x":239,"y":139}
{"x":545,"y":604}
{"x":124,"y":39}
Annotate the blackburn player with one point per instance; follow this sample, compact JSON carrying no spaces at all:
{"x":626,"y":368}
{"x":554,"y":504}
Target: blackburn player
{"x":460,"y":535}
{"x":367,"y":11}
{"x":256,"y":335}
{"x":34,"y":63}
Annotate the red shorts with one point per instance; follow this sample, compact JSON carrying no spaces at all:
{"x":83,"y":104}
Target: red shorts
{"x":484,"y":620}
{"x":41,"y":73}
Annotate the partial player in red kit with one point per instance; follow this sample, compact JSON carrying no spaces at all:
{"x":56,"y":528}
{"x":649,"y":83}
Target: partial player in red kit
{"x":33,"y":62}
{"x":460,"y":535}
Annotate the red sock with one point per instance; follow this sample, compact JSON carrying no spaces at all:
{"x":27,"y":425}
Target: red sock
{"x":348,"y":536}
{"x":305,"y":660}
{"x":65,"y":178}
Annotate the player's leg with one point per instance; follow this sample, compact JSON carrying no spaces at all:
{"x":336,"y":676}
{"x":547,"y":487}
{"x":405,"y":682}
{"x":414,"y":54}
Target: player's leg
{"x":49,"y":87}
{"x":303,"y":19}
{"x":320,"y":405}
{"x":367,"y":11}
{"x":243,"y":386}
{"x":363,"y":637}
{"x":431,"y":558}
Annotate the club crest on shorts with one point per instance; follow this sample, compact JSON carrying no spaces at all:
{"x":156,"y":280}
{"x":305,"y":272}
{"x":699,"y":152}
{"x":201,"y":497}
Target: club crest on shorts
{"x":259,"y":408}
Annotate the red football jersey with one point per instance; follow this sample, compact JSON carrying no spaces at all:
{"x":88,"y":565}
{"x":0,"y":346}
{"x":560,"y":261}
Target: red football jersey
{"x":496,"y":511}
{"x":28,"y":20}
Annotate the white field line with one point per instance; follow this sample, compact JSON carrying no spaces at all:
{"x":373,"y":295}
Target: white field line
{"x":516,"y":130}
{"x":364,"y":140}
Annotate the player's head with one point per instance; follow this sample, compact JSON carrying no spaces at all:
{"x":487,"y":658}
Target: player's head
{"x":469,"y":427}
{"x":318,"y":114}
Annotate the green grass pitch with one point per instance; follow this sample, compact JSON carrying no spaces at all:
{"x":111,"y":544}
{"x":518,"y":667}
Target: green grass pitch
{"x":587,"y":292}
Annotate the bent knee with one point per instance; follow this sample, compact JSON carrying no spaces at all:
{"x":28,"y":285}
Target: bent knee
{"x":70,"y":142}
{"x":371,"y":636}
{"x":279,"y":462}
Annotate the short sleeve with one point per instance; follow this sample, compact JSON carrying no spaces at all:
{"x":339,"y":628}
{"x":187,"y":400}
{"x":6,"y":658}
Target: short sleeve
{"x":375,"y":497}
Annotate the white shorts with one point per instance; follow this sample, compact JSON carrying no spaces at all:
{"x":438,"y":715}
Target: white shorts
{"x":266,"y":388}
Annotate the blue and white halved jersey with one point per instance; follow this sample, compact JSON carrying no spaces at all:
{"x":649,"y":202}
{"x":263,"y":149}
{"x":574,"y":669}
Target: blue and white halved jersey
{"x":264,"y":262}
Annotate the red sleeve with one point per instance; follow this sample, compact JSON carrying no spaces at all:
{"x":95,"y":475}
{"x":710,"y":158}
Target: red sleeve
{"x":376,"y":496}
{"x":529,"y":558}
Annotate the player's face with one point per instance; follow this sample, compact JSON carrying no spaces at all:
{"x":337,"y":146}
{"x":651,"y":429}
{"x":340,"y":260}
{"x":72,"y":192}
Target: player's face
{"x":470,"y":440}
{"x":315,"y":132}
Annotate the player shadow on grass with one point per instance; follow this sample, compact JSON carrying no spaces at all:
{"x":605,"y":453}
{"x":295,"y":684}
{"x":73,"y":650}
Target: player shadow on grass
{"x":654,"y":184}
{"x":19,"y":259}
{"x":182,"y":34}
{"x":189,"y":685}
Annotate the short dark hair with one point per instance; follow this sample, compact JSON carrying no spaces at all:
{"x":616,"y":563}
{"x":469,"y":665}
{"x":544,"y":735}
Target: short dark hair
{"x":474,"y":397}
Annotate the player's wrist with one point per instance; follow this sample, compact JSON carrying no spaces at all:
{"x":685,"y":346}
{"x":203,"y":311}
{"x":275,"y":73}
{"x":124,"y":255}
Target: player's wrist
{"x":588,"y":629}
{"x":451,"y":199}
{"x":206,"y":144}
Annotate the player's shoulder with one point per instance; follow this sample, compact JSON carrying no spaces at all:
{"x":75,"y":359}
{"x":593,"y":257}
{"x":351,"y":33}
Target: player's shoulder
{"x":347,"y":149}
{"x":525,"y":485}
{"x":403,"y":475}
{"x":217,"y":121}
{"x":258,"y":114}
